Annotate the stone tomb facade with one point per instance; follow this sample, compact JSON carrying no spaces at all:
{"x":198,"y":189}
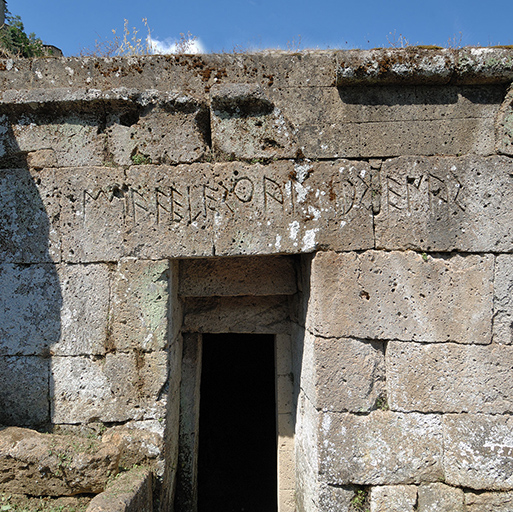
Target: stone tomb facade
{"x":328,"y":235}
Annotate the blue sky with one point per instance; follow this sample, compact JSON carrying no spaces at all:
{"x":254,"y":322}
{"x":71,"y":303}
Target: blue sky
{"x":222,"y":25}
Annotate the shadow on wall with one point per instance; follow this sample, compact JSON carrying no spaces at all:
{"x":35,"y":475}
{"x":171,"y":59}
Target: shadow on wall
{"x":30,"y":292}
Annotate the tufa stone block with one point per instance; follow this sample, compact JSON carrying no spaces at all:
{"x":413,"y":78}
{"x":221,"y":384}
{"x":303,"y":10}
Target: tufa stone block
{"x":438,"y":497}
{"x":237,"y":276}
{"x":29,"y":202}
{"x":85,"y":293}
{"x":30,"y":309}
{"x":402,"y":295}
{"x":139,"y":306}
{"x":381,"y":448}
{"x":393,"y":498}
{"x":478,"y":451}
{"x":24,"y":391}
{"x":446,"y":204}
{"x":119,"y":387}
{"x":343,"y":374}
{"x":237,"y":314}
{"x":54,"y":465}
{"x":449,"y":378}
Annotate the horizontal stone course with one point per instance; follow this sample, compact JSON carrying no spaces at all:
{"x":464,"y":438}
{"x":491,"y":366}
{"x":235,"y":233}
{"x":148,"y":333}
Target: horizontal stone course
{"x":478,"y":451}
{"x":343,"y":374}
{"x":264,"y":315}
{"x":402,"y":295}
{"x":370,"y":122}
{"x":380,"y":448}
{"x":237,"y":276}
{"x":24,"y":391}
{"x":119,"y":387}
{"x":138,"y":311}
{"x":449,"y":377}
{"x":445,"y":204}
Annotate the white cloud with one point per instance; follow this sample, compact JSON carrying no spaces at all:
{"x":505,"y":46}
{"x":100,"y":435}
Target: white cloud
{"x":186,"y":44}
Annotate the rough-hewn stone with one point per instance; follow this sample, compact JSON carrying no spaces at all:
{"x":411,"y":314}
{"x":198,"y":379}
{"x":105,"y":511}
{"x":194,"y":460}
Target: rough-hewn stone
{"x":246,"y":124}
{"x":24,"y":391}
{"x":504,"y":126}
{"x":169,"y":134}
{"x":118,"y":387}
{"x":449,"y":377}
{"x":489,"y":501}
{"x":54,"y":465}
{"x":380,"y":448}
{"x":137,"y":446}
{"x":502,"y":303}
{"x":343,"y":374}
{"x":445,"y":204}
{"x":130,"y":492}
{"x":402,"y":295}
{"x":438,"y":497}
{"x":30,"y":309}
{"x":139,"y":306}
{"x":85,"y":309}
{"x":237,"y":314}
{"x":478,"y":451}
{"x":204,"y":210}
{"x":387,"y":121}
{"x":29,"y":206}
{"x":237,"y":276}
{"x":393,"y":498}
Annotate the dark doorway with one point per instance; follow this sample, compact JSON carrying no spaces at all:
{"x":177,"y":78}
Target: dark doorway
{"x":237,"y":467}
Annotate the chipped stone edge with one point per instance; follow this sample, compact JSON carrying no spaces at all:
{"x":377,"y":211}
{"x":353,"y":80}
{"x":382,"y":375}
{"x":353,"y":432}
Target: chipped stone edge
{"x":129,"y":492}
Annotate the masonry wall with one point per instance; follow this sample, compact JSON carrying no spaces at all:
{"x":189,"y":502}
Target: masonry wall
{"x":355,"y":204}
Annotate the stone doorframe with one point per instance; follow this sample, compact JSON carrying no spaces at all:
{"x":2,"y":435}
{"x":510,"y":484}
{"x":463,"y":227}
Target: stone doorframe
{"x":186,"y":491}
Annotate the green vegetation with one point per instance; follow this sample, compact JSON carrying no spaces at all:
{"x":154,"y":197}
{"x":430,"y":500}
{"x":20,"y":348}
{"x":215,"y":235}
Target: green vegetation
{"x":14,"y":42}
{"x":359,"y":502}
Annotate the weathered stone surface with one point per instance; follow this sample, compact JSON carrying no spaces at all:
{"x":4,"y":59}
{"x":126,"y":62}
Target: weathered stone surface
{"x":54,"y":465}
{"x":41,"y":158}
{"x":478,"y":451}
{"x":343,"y":374}
{"x":93,"y":210}
{"x":73,"y":137}
{"x":489,"y":501}
{"x":130,"y":492}
{"x":136,"y":446}
{"x":85,"y":309}
{"x":139,"y":306}
{"x":335,"y":499}
{"x":29,"y":206}
{"x":226,"y":209}
{"x":246,"y":124}
{"x":382,"y":448}
{"x":237,"y":314}
{"x":307,"y":454}
{"x":446,"y":204}
{"x":170,"y":133}
{"x":403,"y":296}
{"x":24,"y":393}
{"x":484,"y":65}
{"x":393,"y":498}
{"x":118,"y":387}
{"x":237,"y":276}
{"x":391,"y":65}
{"x":30,"y":309}
{"x":504,"y":126}
{"x":388,"y":121}
{"x":502,"y":300}
{"x":449,"y":377}
{"x":438,"y":497}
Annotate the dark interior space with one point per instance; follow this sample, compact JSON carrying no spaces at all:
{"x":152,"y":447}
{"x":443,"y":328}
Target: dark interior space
{"x":237,"y":468}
